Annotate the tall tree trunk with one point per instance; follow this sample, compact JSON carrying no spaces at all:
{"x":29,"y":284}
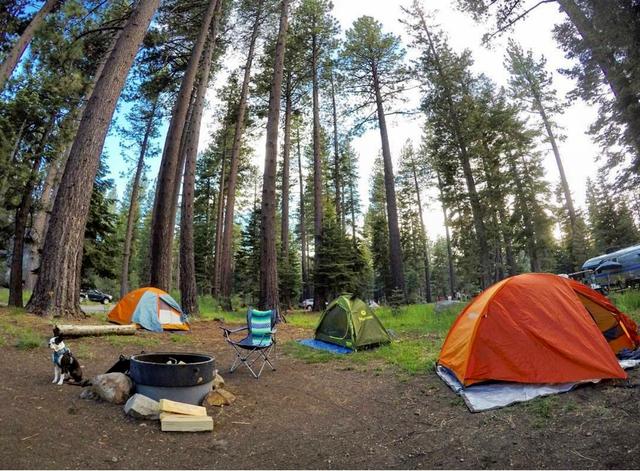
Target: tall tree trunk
{"x":427,"y":275}
{"x":556,"y":152}
{"x":452,"y":273}
{"x":303,"y":229}
{"x":395,"y":248}
{"x":188,"y":289}
{"x":318,"y":293}
{"x":162,"y":224}
{"x":22,"y":215}
{"x":286,"y":152}
{"x":57,"y":291}
{"x":56,"y":170}
{"x":38,"y":224}
{"x":474,"y":199}
{"x":133,"y":204}
{"x":336,"y":157}
{"x":217,"y":260}
{"x":226,"y":271}
{"x":268,"y":257}
{"x":13,"y":57}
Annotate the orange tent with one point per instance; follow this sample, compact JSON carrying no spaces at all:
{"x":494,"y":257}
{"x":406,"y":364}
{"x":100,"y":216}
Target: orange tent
{"x":150,"y":308}
{"x":536,"y":328}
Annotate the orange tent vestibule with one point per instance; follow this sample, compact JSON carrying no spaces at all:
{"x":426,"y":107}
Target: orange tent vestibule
{"x":537,"y":328}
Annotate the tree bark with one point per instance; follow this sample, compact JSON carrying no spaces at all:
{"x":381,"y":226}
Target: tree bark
{"x":90,"y":330}
{"x":162,"y":224}
{"x":427,"y":275}
{"x":303,"y":229}
{"x":56,"y":169}
{"x":133,"y":204}
{"x":286,"y":163}
{"x":226,"y":271}
{"x":452,"y":273}
{"x":318,"y":293}
{"x":556,"y":152}
{"x":13,"y":57}
{"x":395,"y":248}
{"x":57,"y":291}
{"x":188,"y":289}
{"x":22,"y":216}
{"x":268,"y":257}
{"x":217,"y":261}
{"x":336,"y":158}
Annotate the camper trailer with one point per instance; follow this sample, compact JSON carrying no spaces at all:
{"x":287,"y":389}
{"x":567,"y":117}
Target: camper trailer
{"x":619,"y":269}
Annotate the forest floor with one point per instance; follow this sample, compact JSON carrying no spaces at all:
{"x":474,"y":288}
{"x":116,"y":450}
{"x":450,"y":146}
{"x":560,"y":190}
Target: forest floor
{"x":355,"y":412}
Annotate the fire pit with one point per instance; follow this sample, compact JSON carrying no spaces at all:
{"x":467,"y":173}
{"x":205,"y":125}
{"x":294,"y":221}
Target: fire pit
{"x":183,"y":377}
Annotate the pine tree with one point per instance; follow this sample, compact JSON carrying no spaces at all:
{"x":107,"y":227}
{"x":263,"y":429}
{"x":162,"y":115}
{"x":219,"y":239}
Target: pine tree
{"x":57,"y":289}
{"x":374,"y":61}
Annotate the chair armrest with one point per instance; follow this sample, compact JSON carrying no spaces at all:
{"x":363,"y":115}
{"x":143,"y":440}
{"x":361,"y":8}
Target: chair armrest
{"x":233,"y":331}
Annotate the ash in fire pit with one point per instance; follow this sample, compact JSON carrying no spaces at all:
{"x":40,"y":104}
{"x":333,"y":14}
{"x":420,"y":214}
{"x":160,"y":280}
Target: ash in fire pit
{"x":183,"y":377}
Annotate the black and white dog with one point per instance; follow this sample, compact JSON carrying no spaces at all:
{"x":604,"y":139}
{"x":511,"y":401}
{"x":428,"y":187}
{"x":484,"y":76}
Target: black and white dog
{"x":64,"y":363}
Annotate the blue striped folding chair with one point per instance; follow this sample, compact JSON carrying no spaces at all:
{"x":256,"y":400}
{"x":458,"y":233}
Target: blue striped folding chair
{"x":259,"y":342}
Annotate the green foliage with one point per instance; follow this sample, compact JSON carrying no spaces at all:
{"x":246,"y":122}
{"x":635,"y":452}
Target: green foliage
{"x":376,"y":232}
{"x":628,"y":302}
{"x":28,"y":340}
{"x":101,"y":248}
{"x":341,"y":263}
{"x":610,"y":220}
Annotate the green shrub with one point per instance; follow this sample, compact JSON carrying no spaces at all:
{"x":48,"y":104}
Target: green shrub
{"x":28,"y":340}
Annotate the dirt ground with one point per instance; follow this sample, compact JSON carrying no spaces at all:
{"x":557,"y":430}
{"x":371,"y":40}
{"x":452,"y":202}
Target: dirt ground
{"x":327,"y":415}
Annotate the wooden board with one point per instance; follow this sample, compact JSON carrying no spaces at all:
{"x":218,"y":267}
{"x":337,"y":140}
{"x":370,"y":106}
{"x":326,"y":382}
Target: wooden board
{"x":186,"y":423}
{"x":69,"y":330}
{"x":174,"y":407}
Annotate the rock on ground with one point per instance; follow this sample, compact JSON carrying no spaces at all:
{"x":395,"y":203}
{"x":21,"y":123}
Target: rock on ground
{"x":142,"y":407}
{"x":110,"y":387}
{"x":219,"y":397}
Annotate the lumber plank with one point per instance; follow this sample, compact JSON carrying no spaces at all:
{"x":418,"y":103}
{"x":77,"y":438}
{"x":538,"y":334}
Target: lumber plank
{"x":70,"y":330}
{"x":186,"y":423}
{"x":167,"y":405}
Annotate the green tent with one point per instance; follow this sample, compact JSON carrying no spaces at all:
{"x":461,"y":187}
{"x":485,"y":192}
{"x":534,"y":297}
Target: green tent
{"x":349,"y":322}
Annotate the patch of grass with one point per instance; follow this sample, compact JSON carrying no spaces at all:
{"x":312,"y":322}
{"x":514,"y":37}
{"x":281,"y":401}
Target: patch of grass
{"x":28,"y":340}
{"x":180,"y":338}
{"x":304,"y":319}
{"x":629,"y":302}
{"x":4,"y":296}
{"x":410,"y":356}
{"x":139,"y":340}
{"x":542,"y":410}
{"x":83,"y":352}
{"x":419,"y":333}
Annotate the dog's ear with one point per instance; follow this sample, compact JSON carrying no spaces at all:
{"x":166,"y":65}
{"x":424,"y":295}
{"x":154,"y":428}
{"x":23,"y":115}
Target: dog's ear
{"x":56,"y":331}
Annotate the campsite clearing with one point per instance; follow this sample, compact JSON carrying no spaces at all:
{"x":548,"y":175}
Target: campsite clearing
{"x":358,"y":411}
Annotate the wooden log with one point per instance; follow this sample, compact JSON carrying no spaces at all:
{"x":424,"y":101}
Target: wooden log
{"x":186,"y":423}
{"x":69,"y":330}
{"x":174,"y":407}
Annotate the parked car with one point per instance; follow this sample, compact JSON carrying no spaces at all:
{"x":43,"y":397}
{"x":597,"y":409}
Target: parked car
{"x":96,"y":296}
{"x":306,"y":304}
